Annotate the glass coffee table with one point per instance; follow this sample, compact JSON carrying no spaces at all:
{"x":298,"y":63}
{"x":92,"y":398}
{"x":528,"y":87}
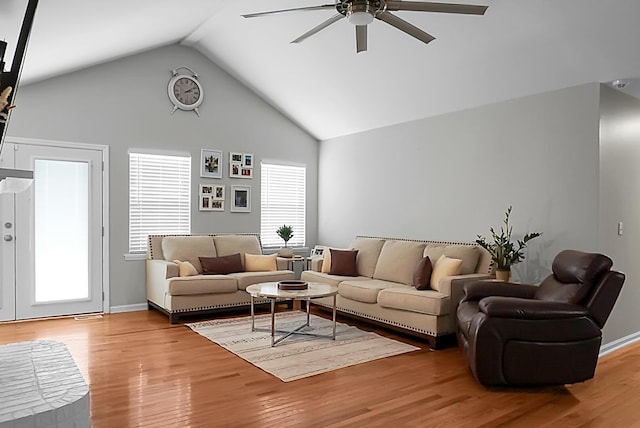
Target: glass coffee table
{"x":270,"y":291}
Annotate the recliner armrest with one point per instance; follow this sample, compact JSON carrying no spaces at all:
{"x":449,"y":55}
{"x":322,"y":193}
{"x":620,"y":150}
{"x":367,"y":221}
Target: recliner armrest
{"x":478,"y":290}
{"x":528,"y":309}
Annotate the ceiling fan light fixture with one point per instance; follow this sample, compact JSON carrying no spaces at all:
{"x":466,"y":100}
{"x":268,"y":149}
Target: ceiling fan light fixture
{"x":360,"y":14}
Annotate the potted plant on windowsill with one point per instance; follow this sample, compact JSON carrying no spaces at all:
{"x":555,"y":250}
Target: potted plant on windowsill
{"x":503,"y":251}
{"x":286,"y":233}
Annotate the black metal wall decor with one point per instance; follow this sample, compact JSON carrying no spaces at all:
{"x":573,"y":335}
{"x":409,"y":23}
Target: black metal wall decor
{"x":9,"y":79}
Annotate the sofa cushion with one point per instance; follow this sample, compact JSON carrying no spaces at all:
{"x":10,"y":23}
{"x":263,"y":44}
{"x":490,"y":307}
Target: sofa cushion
{"x":434,"y":252}
{"x":325,"y":278}
{"x":202,"y":284}
{"x":227,"y":245}
{"x":326,"y":262}
{"x":398,"y":260}
{"x":221,"y":265}
{"x":368,"y":253}
{"x":365,"y":291}
{"x":469,"y":255}
{"x":409,"y":299}
{"x":343,"y":262}
{"x":422,"y":274}
{"x":445,"y":266}
{"x":188,"y":248}
{"x":185,"y":268}
{"x":260,"y":263}
{"x":248,"y":278}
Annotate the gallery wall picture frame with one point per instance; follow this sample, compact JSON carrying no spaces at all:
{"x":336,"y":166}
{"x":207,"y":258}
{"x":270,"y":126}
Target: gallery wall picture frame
{"x":211,"y":163}
{"x":211,"y":197}
{"x":241,"y":165}
{"x":240,"y":199}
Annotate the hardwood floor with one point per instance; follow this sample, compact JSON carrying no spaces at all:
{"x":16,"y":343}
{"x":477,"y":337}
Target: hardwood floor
{"x":145,"y":373}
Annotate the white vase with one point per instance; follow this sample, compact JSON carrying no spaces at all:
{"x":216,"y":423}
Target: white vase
{"x":285,"y":252}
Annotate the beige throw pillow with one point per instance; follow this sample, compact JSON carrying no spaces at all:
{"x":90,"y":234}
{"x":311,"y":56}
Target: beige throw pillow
{"x":445,"y":266}
{"x":185,"y":268}
{"x":260,"y":263}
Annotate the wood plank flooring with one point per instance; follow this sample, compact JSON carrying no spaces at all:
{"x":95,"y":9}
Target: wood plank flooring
{"x":144,"y":372}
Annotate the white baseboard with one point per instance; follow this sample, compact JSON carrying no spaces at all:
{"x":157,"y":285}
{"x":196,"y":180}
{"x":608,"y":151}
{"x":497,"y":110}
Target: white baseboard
{"x":128,"y":308}
{"x":619,"y":343}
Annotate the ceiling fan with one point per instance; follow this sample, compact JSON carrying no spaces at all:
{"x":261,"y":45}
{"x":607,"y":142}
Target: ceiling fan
{"x":362,"y":12}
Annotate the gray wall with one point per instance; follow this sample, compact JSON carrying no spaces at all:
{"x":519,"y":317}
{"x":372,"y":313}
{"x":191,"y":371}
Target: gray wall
{"x":451,"y":177}
{"x":124,"y":104}
{"x":619,"y":201}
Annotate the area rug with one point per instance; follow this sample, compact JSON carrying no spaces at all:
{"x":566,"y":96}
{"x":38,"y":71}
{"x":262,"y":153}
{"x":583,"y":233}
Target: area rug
{"x":298,"y":356}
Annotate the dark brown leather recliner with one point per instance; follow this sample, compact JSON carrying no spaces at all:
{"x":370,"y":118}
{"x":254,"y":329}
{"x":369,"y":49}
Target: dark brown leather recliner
{"x":515,"y":334}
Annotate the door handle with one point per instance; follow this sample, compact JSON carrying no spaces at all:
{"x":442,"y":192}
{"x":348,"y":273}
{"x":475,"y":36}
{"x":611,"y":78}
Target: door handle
{"x":8,"y":238}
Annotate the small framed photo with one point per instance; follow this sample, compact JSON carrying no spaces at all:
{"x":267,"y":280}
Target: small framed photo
{"x":205,"y":202}
{"x":235,"y":170}
{"x":217,"y":193}
{"x":210,"y":163}
{"x":246,"y":172}
{"x":206,"y":189}
{"x":235,"y":157}
{"x":247,"y":160}
{"x":241,"y":199}
{"x":318,"y":251}
{"x":216,"y":205}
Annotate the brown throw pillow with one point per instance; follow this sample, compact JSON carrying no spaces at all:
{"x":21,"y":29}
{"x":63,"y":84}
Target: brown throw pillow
{"x":422,"y":274}
{"x":221,"y":265}
{"x":343,"y":262}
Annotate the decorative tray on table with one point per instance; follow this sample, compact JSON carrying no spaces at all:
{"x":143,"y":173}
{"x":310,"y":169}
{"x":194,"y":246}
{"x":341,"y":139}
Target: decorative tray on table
{"x":293,"y":285}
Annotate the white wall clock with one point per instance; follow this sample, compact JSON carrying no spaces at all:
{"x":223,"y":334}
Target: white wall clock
{"x":185,"y":90}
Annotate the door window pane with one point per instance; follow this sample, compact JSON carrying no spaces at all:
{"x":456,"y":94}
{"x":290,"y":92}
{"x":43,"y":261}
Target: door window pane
{"x":61,"y":230}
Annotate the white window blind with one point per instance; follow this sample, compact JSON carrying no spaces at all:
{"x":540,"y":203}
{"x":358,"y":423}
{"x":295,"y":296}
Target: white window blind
{"x":159,"y":197}
{"x":283,"y":202}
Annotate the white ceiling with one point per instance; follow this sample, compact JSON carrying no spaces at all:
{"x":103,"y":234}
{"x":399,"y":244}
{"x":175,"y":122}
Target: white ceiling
{"x":518,"y":48}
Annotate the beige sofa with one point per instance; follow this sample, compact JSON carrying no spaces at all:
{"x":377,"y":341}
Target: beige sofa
{"x":382,"y":291}
{"x":197,"y":293}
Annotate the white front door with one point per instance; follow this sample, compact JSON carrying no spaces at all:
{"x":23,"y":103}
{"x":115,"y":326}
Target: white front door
{"x":58,"y":232}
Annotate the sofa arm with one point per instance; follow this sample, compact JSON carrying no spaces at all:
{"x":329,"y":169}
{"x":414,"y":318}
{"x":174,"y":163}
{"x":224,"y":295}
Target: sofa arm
{"x":282,"y":263}
{"x":453,"y":286}
{"x":316,"y":264}
{"x":158,"y":274}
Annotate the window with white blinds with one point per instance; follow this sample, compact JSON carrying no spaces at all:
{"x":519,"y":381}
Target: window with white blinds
{"x":159,"y":197}
{"x":283,"y":202}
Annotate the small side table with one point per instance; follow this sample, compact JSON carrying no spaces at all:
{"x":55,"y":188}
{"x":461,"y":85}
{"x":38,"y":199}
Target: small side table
{"x":291,"y":262}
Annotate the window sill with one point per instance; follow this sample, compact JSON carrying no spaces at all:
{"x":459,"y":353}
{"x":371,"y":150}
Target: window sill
{"x":298,"y":251}
{"x":135,"y":257}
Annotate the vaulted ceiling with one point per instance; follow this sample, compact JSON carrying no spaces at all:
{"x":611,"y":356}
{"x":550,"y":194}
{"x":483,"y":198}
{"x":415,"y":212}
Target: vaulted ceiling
{"x":518,"y":48}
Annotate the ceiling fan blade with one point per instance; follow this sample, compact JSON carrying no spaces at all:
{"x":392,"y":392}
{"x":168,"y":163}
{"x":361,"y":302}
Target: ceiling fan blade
{"x":403,"y":25}
{"x":468,"y":9}
{"x":295,"y":9}
{"x":317,"y":28}
{"x":361,"y":38}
